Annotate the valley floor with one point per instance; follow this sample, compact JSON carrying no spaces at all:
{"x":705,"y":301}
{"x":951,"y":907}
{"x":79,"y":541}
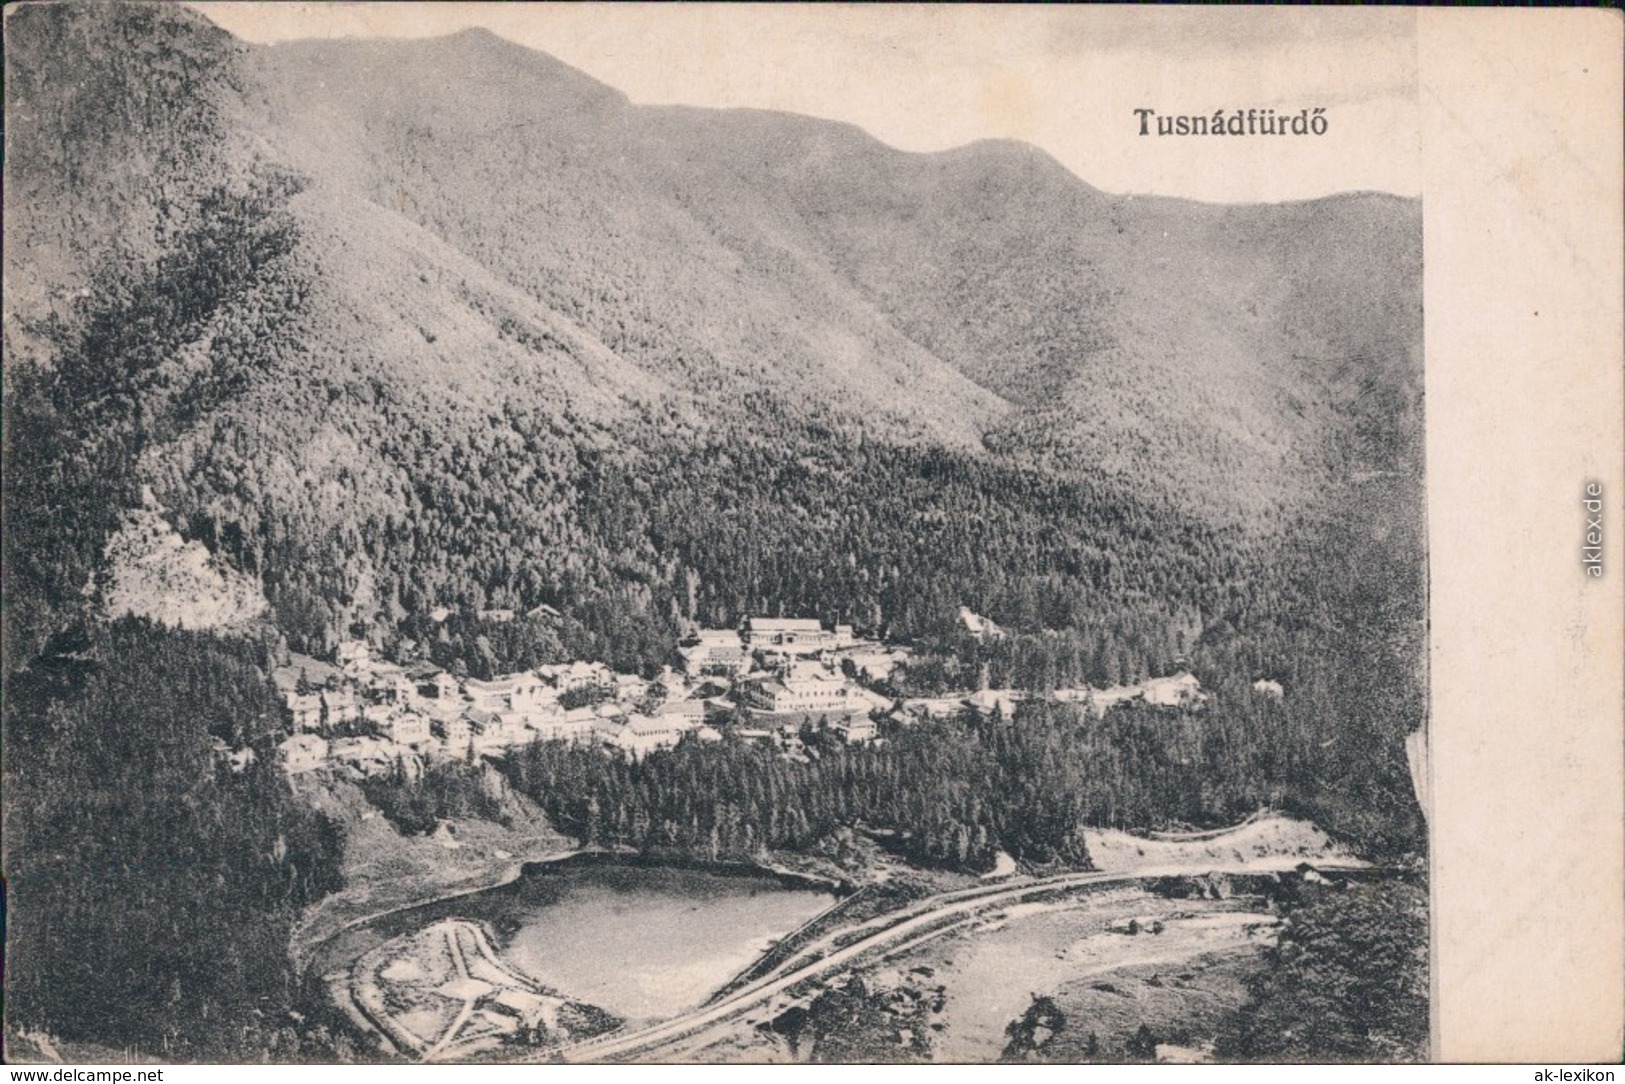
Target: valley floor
{"x":1158,"y":942}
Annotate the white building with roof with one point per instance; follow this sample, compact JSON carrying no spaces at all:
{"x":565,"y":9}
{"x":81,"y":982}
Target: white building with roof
{"x":406,"y":728}
{"x":492,"y":732}
{"x":1180,"y":690}
{"x":581,"y":726}
{"x":796,"y":635}
{"x":640,"y":735}
{"x":692,"y":710}
{"x":855,"y":728}
{"x":726,"y":659}
{"x":570,"y":676}
{"x":877,"y":663}
{"x":511,"y":692}
{"x":978,"y":626}
{"x":373,"y":756}
{"x":800,"y":692}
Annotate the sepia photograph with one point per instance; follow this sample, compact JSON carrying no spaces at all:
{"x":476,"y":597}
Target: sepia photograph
{"x":700,"y":535}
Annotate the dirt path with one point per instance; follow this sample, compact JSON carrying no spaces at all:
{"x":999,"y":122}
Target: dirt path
{"x":454,"y":948}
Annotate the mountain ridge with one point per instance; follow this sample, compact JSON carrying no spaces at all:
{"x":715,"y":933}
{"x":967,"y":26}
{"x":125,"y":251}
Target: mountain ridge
{"x":605,"y":275}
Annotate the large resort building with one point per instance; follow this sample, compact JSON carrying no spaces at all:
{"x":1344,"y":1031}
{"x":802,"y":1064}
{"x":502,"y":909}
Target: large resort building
{"x":798,"y":693}
{"x":793,"y":635}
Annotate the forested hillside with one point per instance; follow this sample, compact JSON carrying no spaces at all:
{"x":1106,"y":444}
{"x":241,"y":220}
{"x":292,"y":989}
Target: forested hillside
{"x":151,"y":886}
{"x":574,"y":363}
{"x":388,"y":342}
{"x":395,"y":326}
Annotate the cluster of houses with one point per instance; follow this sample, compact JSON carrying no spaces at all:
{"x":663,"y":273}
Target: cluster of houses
{"x":772,"y":676}
{"x":786,"y":673}
{"x":769,"y":679}
{"x":372,"y":715}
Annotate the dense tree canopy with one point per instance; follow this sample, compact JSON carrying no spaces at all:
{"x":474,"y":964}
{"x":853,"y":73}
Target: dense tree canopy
{"x":1346,"y":981}
{"x":152,"y":885}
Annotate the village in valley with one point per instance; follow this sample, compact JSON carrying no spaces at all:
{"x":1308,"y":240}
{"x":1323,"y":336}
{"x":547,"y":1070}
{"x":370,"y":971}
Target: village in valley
{"x":765,"y":682}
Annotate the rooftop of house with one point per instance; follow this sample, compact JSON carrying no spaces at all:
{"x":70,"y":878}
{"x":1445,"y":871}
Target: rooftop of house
{"x":809,"y":683}
{"x":369,"y":748}
{"x":501,"y":683}
{"x":645,"y":725}
{"x":575,"y":720}
{"x":573,"y":669}
{"x":735,"y":650}
{"x":785,"y":624}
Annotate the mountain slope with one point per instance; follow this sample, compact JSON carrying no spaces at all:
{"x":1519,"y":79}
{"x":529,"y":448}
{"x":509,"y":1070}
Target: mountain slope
{"x":393,"y":325}
{"x":535,"y":172}
{"x":790,"y":252}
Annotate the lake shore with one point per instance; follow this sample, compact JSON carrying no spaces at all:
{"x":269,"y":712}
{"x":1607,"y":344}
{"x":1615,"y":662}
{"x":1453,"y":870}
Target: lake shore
{"x":597,"y":857}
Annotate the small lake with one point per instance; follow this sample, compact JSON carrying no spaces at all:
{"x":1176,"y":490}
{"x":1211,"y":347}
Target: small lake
{"x":648,"y":942}
{"x":640,"y":941}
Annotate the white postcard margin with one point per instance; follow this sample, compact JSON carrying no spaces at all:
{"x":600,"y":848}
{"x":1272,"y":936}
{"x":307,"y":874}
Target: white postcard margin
{"x":1522,"y":216}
